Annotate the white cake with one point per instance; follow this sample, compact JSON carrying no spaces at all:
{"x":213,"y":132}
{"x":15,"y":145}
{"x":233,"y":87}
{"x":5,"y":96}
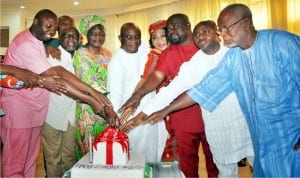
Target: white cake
{"x":118,"y":156}
{"x":134,"y":168}
{"x":109,"y":158}
{"x":111,"y":147}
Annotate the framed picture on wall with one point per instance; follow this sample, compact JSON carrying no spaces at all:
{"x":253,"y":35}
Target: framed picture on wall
{"x":4,"y":36}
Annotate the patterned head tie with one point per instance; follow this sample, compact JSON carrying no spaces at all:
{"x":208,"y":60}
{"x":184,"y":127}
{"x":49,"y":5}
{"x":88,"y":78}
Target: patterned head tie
{"x":157,"y":25}
{"x":88,"y":22}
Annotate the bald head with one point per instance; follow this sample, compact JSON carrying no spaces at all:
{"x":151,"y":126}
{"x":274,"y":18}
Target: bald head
{"x":64,"y":18}
{"x":208,"y":23}
{"x":125,"y":27}
{"x":65,"y":22}
{"x":179,"y":18}
{"x":45,"y":13}
{"x":240,"y":10}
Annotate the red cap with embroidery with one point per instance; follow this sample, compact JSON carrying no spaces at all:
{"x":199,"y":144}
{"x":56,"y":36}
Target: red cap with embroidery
{"x":157,"y":25}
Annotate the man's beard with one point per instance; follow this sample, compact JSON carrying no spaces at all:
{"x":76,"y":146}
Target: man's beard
{"x":174,"y":39}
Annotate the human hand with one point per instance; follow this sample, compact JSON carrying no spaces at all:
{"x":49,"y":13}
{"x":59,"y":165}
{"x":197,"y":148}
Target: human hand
{"x":53,"y":51}
{"x":125,"y":115}
{"x":111,"y":117}
{"x":134,"y":122}
{"x":53,"y":83}
{"x":297,"y":146}
{"x":156,"y":116}
{"x":29,"y":78}
{"x":131,"y":104}
{"x":100,"y":97}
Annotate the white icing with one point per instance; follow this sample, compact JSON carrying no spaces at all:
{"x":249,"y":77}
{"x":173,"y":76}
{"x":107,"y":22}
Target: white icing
{"x":134,"y":168}
{"x":120,"y":156}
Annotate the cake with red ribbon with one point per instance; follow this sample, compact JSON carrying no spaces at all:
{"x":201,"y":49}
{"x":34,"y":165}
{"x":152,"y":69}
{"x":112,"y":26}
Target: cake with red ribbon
{"x":110,"y":158}
{"x":111,"y":147}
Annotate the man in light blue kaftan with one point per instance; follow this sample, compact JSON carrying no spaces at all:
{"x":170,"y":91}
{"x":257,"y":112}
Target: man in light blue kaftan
{"x":263,"y":69}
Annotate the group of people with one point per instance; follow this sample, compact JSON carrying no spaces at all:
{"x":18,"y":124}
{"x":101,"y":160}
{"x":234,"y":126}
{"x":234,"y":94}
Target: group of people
{"x":26,"y":110}
{"x":226,"y":86}
{"x":225,"y":129}
{"x":262,"y":75}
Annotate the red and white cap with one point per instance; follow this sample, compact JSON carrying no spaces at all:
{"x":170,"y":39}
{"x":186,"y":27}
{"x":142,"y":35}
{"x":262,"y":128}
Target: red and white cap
{"x":157,"y":25}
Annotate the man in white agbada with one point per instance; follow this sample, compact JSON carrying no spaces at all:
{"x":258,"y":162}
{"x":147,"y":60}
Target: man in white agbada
{"x":226,"y":128}
{"x":124,"y":72}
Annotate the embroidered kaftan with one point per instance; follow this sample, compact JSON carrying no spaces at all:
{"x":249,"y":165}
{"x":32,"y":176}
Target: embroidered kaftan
{"x":266,"y":80}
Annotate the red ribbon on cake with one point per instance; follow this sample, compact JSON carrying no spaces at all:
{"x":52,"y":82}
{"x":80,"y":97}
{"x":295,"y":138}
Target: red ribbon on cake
{"x":110,"y":135}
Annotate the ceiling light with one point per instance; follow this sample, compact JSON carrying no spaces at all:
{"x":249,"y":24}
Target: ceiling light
{"x":22,"y":7}
{"x":76,"y":3}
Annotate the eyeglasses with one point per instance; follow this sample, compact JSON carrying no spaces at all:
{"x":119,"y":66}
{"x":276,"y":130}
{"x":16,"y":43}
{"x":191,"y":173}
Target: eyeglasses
{"x":228,"y":29}
{"x":174,"y":26}
{"x":131,"y":37}
{"x":69,"y":35}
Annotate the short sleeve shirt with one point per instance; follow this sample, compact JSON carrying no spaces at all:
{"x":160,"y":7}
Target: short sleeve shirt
{"x":25,"y":108}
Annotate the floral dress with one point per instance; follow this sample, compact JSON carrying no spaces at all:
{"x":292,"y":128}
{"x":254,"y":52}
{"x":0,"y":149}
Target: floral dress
{"x":91,"y":69}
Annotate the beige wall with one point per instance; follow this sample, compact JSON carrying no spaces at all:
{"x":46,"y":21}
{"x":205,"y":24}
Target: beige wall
{"x":15,"y":21}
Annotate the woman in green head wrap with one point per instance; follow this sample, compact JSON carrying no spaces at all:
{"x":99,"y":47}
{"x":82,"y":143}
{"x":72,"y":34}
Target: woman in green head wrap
{"x":90,"y":63}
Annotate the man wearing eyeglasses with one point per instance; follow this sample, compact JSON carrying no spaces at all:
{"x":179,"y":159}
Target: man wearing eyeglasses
{"x":262,"y":68}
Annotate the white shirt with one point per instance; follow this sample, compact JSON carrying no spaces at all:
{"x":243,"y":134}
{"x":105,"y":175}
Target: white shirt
{"x":61,"y":108}
{"x":124,"y":73}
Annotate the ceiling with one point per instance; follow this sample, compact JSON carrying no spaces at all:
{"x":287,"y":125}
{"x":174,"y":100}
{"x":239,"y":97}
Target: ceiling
{"x":102,"y":7}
